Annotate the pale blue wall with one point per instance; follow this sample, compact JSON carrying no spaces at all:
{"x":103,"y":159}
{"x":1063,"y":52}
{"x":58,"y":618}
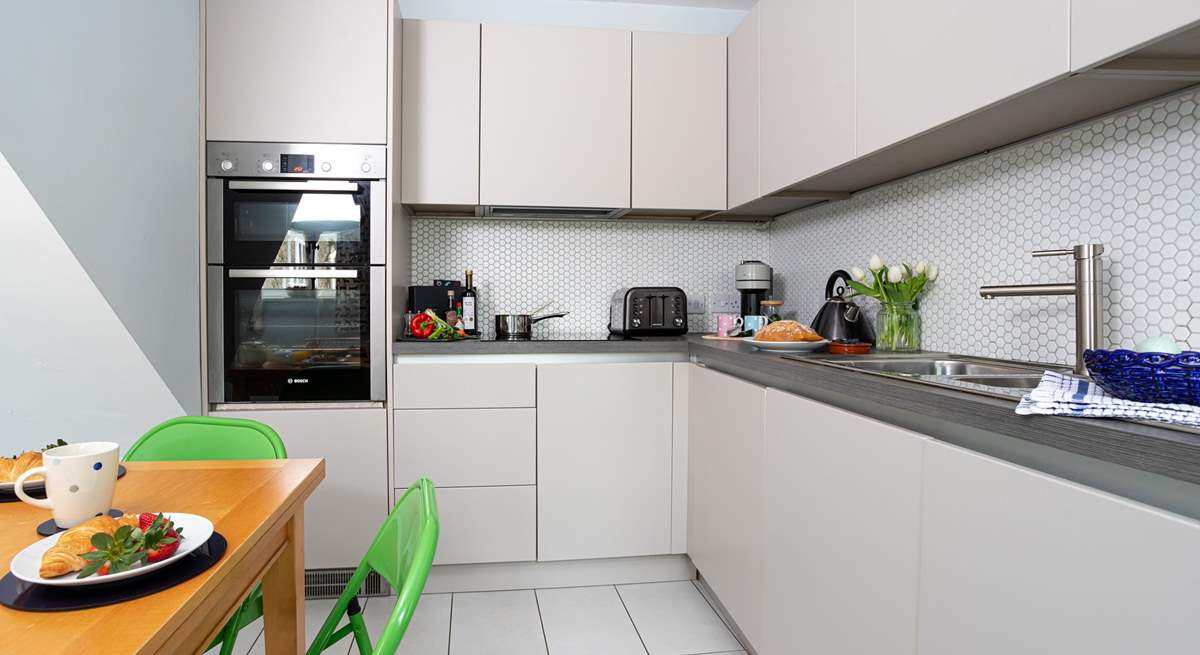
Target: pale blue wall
{"x":100,"y":119}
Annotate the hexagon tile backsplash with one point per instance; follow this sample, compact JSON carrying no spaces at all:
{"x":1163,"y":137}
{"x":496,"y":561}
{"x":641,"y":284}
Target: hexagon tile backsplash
{"x":521,"y":264}
{"x":1130,"y":181}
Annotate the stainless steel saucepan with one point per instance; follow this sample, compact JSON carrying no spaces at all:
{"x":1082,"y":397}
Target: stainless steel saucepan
{"x":519,"y":327}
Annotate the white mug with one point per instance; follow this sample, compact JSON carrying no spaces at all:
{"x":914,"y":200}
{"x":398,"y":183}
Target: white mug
{"x":80,"y":481}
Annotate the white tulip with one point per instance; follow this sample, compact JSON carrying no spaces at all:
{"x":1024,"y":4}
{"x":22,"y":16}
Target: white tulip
{"x":933,"y":272}
{"x":895,"y":273}
{"x":876,"y":264}
{"x":857,"y":274}
{"x":921,"y":268}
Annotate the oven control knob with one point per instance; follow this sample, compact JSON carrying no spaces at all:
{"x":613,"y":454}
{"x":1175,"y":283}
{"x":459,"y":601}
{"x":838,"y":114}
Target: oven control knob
{"x":678,"y":321}
{"x":226,"y":165}
{"x":366,"y":167}
{"x":326,"y":167}
{"x":267,"y":166}
{"x":637,"y":322}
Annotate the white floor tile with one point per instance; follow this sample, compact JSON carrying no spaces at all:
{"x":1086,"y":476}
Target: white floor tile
{"x":496,"y":623}
{"x":587,"y":621}
{"x":245,"y":639}
{"x":674,"y":619}
{"x":429,"y":630}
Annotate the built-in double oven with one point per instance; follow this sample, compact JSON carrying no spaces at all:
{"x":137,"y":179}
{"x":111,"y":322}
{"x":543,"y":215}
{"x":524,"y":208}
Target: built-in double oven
{"x":296,"y":283}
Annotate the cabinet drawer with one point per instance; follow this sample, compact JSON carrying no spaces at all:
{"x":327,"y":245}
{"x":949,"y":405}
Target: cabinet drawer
{"x":466,"y":447}
{"x":462,"y":386}
{"x":486,"y":524}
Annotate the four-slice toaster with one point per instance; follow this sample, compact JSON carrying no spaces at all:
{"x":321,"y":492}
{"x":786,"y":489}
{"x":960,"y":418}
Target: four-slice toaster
{"x":648,"y":311}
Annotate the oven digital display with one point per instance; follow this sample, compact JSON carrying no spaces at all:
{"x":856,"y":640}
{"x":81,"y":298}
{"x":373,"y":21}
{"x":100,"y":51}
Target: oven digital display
{"x":296,"y":163}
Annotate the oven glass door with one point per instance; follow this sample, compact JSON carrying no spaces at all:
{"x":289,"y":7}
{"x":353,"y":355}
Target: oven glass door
{"x":306,"y":223}
{"x":297,"y":334}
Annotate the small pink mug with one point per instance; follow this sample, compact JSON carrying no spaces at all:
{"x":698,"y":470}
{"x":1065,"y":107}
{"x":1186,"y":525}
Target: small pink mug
{"x":727,"y":324}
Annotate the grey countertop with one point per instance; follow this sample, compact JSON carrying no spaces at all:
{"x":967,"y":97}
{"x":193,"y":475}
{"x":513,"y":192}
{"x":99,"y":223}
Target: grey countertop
{"x":949,"y":413}
{"x":675,"y":345}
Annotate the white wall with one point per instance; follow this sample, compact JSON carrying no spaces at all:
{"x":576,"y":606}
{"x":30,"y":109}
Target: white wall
{"x":71,"y":369}
{"x":637,"y":16}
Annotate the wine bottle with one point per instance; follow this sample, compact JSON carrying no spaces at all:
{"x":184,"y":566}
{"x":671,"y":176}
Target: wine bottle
{"x":469,"y":306}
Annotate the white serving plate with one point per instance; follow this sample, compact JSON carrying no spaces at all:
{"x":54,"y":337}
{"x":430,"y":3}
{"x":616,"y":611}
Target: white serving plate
{"x":788,"y":346}
{"x":25,"y":566}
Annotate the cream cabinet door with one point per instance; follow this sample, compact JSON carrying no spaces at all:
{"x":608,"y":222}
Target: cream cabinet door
{"x":296,"y":71}
{"x":807,"y":87}
{"x":1103,"y":29}
{"x":348,"y":507}
{"x":604,"y":460}
{"x":555,"y":116}
{"x":842,"y":505}
{"x":743,"y":110}
{"x":679,"y":121}
{"x":923,"y":63}
{"x":725,"y":493}
{"x":439,"y":137}
{"x":1016,"y":561}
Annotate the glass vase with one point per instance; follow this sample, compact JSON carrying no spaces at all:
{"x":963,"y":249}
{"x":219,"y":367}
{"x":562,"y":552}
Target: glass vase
{"x":898,"y":327}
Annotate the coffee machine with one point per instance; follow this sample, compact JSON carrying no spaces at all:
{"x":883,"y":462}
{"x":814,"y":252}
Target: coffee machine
{"x":753,"y":281}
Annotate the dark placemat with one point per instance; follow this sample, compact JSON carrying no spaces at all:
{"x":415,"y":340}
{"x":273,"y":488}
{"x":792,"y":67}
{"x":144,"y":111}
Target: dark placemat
{"x":24,"y":596}
{"x":49,"y":527}
{"x":7,"y":495}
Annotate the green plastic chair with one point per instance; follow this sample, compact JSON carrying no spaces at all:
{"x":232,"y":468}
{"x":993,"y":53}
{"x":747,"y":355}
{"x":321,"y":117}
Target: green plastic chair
{"x":208,"y":437}
{"x":401,"y":553}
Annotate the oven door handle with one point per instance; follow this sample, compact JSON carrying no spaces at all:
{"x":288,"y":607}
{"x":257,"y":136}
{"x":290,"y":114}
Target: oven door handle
{"x":260,"y":274}
{"x":309,"y":185}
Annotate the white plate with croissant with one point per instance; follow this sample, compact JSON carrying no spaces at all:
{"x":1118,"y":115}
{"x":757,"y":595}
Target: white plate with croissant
{"x":57,"y":559}
{"x":787,"y":336}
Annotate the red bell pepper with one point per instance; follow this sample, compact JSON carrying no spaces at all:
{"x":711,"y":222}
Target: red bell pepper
{"x":422,"y":326}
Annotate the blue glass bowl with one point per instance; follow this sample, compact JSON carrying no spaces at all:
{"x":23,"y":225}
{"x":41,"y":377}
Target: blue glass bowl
{"x":1147,"y":377}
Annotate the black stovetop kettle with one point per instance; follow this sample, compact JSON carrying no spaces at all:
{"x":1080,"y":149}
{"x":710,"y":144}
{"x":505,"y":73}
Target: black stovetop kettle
{"x":839,"y":319}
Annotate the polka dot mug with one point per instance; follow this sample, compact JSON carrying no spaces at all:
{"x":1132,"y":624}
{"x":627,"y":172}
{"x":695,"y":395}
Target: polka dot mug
{"x":80,"y":481}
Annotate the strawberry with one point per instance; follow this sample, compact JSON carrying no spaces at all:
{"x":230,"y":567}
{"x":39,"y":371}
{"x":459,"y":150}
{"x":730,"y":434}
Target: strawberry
{"x":160,"y":539}
{"x":112,"y":553}
{"x":146,"y":519}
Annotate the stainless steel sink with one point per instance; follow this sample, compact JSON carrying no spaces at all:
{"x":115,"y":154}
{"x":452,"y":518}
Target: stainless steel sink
{"x":1024,"y":382}
{"x":941,"y":366}
{"x":978,"y":375}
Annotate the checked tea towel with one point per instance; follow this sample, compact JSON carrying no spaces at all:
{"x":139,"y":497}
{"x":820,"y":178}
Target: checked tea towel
{"x":1063,"y":395}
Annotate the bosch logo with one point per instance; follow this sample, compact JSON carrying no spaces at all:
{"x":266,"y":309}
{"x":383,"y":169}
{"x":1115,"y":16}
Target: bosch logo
{"x":297,"y":380}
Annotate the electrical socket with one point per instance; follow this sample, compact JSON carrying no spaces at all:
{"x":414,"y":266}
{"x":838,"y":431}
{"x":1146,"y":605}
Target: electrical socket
{"x":697,"y":304}
{"x":724,"y":303}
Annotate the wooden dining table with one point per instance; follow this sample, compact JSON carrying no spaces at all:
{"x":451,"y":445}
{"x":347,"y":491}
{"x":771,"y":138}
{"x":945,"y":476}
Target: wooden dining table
{"x":259,"y":508}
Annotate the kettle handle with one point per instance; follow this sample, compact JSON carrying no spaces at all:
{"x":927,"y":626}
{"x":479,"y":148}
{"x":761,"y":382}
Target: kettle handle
{"x":837,"y":275}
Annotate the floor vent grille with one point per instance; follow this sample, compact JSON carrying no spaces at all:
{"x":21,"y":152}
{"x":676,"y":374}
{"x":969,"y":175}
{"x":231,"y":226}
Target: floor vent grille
{"x":329,"y":583}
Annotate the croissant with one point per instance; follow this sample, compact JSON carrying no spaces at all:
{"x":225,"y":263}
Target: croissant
{"x":11,"y":469}
{"x":64,"y":556}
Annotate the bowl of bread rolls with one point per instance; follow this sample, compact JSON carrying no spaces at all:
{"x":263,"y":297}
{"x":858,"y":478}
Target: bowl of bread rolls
{"x":787,"y":336}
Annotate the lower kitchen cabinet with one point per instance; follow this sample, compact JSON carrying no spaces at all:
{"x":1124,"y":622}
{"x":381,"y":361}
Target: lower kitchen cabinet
{"x":466,"y":447}
{"x":486,"y":524}
{"x":842,"y":500}
{"x":604,"y":460}
{"x":1016,"y":561}
{"x":347,"y":508}
{"x":725,"y":493}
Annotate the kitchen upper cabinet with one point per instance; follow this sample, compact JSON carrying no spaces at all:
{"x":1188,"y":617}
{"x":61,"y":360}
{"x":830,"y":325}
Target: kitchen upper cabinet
{"x":743,"y":110}
{"x":1103,"y":29}
{"x":346,"y":509}
{"x":679,"y":121}
{"x":725,"y":493}
{"x":1015,"y":561}
{"x":807,"y":88}
{"x":555,"y":117}
{"x":842,"y":501}
{"x":604,"y":460}
{"x":923,"y":63}
{"x":296,"y":71}
{"x":440,"y":113}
